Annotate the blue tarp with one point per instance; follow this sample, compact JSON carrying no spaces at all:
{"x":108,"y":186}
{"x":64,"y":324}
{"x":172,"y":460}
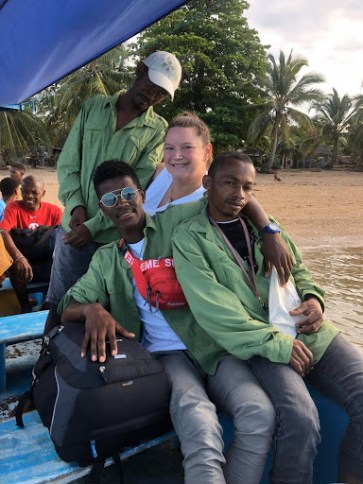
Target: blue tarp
{"x":41,"y":41}
{"x":10,"y":107}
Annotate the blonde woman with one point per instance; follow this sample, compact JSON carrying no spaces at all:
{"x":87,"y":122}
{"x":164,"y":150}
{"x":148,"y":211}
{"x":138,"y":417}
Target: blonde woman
{"x":187,"y":157}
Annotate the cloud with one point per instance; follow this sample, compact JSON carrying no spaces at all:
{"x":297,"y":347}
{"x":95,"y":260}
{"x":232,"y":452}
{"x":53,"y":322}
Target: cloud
{"x":327,"y":32}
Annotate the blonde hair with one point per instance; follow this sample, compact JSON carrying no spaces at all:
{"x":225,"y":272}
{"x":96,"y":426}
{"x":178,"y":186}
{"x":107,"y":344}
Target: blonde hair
{"x":191,"y":120}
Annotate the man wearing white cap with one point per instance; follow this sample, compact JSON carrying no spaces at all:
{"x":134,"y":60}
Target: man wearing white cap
{"x":164,"y":70}
{"x":122,"y":127}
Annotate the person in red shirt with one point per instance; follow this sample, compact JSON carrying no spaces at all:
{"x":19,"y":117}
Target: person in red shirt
{"x":28,"y":222}
{"x":31,"y":211}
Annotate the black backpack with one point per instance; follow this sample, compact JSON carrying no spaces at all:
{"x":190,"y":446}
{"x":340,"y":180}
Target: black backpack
{"x":94,"y":410}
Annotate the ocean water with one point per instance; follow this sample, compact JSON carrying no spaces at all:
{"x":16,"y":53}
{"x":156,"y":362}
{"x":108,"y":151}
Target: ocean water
{"x":340,"y":272}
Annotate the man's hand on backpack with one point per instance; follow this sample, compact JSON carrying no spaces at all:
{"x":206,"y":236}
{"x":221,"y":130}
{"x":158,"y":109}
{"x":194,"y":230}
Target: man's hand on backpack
{"x":100,"y":327}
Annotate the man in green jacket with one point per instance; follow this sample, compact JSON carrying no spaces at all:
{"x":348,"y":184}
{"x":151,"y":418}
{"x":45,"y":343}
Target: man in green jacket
{"x":122,"y":127}
{"x":219,"y":265}
{"x":109,"y":300}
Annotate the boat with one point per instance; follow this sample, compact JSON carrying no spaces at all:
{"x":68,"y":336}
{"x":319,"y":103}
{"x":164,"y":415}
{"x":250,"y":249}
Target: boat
{"x":33,"y":57}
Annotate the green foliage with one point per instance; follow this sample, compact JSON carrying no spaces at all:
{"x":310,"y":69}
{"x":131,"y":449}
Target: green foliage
{"x":334,"y":117}
{"x":20,"y":133}
{"x":220,"y":56}
{"x":355,"y":132}
{"x":61,"y":103}
{"x":283,"y":93}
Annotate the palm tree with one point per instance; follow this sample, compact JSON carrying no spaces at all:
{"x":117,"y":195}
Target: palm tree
{"x":20,"y":133}
{"x":355,"y":135}
{"x":301,"y":145}
{"x":284,"y":92}
{"x":61,"y":103}
{"x":335,"y":116}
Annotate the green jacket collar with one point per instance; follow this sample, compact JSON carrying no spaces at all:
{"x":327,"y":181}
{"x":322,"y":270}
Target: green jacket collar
{"x":201,"y":224}
{"x":147,"y":118}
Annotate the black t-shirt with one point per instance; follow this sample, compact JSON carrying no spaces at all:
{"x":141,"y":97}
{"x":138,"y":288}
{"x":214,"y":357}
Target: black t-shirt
{"x":234,"y":232}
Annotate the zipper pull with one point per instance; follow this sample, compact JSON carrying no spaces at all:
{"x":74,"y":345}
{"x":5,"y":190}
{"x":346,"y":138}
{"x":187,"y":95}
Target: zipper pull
{"x":102,"y":371}
{"x":93,"y":449}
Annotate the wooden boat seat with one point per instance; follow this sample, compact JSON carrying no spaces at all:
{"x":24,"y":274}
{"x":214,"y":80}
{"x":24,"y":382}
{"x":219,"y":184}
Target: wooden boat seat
{"x":9,"y":303}
{"x":16,"y":329}
{"x":27,"y":455}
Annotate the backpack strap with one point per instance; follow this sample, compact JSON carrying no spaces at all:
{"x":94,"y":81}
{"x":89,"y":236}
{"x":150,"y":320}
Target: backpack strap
{"x":97,"y":470}
{"x":118,"y":464}
{"x":98,"y":467}
{"x":25,"y":401}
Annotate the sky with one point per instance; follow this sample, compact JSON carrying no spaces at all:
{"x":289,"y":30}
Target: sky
{"x":328,"y":33}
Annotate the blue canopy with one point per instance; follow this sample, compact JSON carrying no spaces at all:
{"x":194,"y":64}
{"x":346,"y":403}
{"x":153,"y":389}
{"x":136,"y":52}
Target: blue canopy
{"x":10,"y":107}
{"x":42,"y":41}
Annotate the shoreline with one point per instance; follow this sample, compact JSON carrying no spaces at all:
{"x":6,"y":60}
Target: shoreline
{"x":318,"y":209}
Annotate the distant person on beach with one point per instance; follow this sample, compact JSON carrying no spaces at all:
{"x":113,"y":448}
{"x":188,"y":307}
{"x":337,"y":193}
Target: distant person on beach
{"x":17,"y":171}
{"x":29,"y":222}
{"x":10,"y":191}
{"x":219,"y":264}
{"x":112,"y":301}
{"x":123,"y":126}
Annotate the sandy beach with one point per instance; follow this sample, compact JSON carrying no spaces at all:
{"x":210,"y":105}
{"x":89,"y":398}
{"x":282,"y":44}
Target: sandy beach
{"x":322,"y":208}
{"x":317,"y":208}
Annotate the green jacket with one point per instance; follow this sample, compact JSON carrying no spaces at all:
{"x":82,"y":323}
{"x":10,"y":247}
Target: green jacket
{"x":108,"y":281}
{"x":223,"y":303}
{"x":94,"y":139}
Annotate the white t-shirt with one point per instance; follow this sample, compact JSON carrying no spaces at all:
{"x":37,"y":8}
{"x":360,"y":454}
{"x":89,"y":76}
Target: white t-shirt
{"x":157,"y":334}
{"x":157,"y":189}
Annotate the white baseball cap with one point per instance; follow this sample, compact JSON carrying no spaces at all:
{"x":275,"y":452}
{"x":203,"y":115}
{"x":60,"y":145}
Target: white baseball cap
{"x":164,"y":70}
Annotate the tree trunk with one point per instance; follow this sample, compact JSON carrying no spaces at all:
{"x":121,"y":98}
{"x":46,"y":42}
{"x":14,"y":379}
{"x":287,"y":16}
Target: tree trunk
{"x":334,"y":154}
{"x":335,"y":151}
{"x":274,"y":145}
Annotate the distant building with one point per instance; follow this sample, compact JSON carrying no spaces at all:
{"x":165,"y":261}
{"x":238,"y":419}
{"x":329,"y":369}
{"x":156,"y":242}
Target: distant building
{"x":321,"y":158}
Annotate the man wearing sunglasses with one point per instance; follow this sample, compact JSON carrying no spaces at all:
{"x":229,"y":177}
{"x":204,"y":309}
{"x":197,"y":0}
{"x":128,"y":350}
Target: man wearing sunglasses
{"x":109,"y":302}
{"x":122,"y":126}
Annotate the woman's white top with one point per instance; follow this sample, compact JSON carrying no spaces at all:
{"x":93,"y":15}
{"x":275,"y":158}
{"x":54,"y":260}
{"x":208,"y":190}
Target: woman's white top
{"x":157,"y":189}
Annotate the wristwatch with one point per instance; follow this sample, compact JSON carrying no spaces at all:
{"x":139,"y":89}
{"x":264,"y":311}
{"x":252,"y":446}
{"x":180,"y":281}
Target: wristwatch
{"x":270,"y":228}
